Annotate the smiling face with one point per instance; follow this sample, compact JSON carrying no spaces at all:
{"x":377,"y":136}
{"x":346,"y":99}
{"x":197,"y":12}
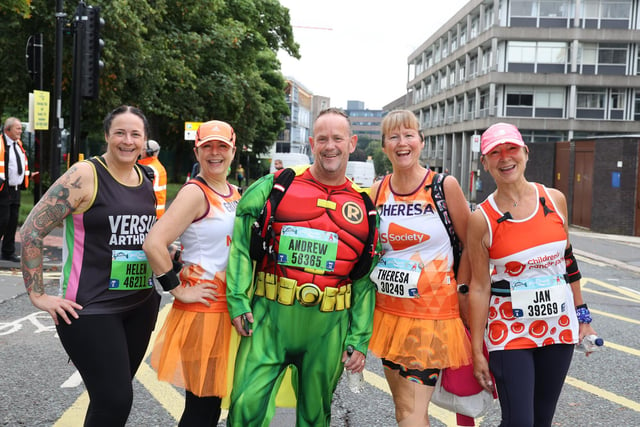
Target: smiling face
{"x":506,"y":162}
{"x":331,"y":145}
{"x":214,"y":157}
{"x":403,"y":146}
{"x":126,"y":138}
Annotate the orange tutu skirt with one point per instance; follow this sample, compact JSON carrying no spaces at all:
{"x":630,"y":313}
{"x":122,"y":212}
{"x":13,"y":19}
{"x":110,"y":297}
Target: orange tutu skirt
{"x":192,"y":351}
{"x":420,"y":343}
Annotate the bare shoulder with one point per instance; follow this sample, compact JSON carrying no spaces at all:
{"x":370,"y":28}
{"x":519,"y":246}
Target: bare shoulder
{"x":556,"y":195}
{"x":373,"y":192}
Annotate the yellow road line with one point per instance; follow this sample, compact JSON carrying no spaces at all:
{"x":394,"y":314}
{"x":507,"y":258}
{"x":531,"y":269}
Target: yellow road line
{"x":604,"y":394}
{"x":632,"y":296}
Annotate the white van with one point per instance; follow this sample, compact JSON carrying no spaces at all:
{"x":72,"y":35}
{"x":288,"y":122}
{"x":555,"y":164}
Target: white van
{"x":362,"y":173}
{"x":288,"y":160}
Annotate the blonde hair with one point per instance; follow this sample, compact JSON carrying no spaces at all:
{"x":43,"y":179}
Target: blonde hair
{"x":400,"y":118}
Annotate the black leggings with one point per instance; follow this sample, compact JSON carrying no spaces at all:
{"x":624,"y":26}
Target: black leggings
{"x":107,"y":351}
{"x":200,"y":411}
{"x":529,"y":383}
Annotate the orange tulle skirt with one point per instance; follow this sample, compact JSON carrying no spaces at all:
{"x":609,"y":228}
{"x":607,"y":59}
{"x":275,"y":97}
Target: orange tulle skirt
{"x":420,"y":343}
{"x":192,"y":351}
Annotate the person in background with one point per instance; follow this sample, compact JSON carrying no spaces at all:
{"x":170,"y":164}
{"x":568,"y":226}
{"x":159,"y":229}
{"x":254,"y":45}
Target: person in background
{"x":149,"y":158}
{"x":277,"y":163}
{"x":240,"y":175}
{"x":308,"y":306}
{"x":14,"y":176}
{"x":108,"y":304}
{"x":525,"y":288}
{"x":191,"y":349}
{"x":417,"y":325}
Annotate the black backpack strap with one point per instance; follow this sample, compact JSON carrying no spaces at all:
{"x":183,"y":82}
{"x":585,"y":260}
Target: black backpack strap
{"x":437,"y":194}
{"x":147,"y":171}
{"x":262,"y":234}
{"x":362,"y":267}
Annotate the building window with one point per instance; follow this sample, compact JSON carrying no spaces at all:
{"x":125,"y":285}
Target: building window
{"x":636,"y":105}
{"x":473,"y":64}
{"x":549,"y":102}
{"x":612,"y":58}
{"x":463,"y":35}
{"x":521,"y":52}
{"x":612,"y":53}
{"x":474,"y":27}
{"x":553,"y":8}
{"x":520,"y":102}
{"x":488,"y":18}
{"x":616,"y":104}
{"x":524,"y":8}
{"x":520,"y":99}
{"x":590,"y":103}
{"x":616,"y":9}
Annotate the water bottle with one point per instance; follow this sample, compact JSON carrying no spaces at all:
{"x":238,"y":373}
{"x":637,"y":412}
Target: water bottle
{"x":355,"y":380}
{"x":589,"y":343}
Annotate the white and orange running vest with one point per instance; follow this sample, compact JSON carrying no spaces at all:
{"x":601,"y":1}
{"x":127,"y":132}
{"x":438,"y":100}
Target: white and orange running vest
{"x":529,"y":254}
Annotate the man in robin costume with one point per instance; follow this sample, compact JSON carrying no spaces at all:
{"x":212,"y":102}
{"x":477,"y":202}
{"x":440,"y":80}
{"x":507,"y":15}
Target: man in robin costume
{"x":309,"y":296}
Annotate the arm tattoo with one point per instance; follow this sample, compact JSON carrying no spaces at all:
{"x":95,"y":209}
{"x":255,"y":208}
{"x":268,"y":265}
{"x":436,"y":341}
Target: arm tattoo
{"x":44,"y":217}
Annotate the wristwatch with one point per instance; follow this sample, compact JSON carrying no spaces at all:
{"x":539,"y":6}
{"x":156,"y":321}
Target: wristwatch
{"x":463,"y":288}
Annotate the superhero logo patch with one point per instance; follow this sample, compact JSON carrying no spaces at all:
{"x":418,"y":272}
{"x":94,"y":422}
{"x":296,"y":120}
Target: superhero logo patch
{"x":352,"y":213}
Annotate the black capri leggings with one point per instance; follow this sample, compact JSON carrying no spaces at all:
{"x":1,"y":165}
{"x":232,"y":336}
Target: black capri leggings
{"x":529,"y":383}
{"x":107,"y":351}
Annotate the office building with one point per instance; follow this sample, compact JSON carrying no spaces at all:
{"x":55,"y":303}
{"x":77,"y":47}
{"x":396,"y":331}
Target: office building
{"x":364,"y":123}
{"x":558,"y":69}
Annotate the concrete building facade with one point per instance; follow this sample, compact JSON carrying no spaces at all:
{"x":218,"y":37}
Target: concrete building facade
{"x":560,"y":70}
{"x":364,"y":122}
{"x":295,"y":137}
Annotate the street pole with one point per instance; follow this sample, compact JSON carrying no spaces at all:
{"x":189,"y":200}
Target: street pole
{"x":37,"y":187}
{"x":58,"y":123}
{"x":76,"y":91}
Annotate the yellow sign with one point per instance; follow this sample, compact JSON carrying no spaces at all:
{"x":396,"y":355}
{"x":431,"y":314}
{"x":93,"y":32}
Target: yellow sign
{"x":190,"y":129}
{"x":40,"y":110}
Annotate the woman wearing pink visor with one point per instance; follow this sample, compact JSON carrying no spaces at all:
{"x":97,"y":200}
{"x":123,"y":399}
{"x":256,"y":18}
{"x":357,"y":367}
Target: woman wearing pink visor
{"x":525,"y":287}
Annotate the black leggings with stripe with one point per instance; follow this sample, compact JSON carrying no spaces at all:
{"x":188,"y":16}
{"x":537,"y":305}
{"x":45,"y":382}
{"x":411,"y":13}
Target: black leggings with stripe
{"x":107,"y":351}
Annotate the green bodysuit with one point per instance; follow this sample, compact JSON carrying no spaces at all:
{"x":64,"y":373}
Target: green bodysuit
{"x":305,"y":306}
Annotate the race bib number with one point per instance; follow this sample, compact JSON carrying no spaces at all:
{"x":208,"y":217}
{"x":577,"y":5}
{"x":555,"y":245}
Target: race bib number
{"x":308,"y":248}
{"x":538,"y":297}
{"x":397,"y":277}
{"x":130,"y":271}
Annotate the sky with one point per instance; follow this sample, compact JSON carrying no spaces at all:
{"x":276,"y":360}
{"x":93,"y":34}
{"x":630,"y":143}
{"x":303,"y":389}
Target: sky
{"x":358,"y":49}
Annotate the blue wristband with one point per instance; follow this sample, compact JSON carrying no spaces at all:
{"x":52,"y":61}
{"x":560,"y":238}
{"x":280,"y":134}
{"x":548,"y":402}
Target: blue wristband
{"x":584,"y":316}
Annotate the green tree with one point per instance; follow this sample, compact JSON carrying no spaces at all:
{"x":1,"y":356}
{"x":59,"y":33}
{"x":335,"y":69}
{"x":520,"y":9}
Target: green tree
{"x":178,"y":60}
{"x":380,"y":161}
{"x":20,"y":7}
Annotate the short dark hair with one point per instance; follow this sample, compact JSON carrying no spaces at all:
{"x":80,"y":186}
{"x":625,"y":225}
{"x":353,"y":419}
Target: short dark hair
{"x":121,"y":110}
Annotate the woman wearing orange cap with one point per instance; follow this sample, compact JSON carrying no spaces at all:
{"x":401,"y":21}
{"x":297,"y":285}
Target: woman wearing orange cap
{"x":530,"y":294}
{"x":191,"y":350}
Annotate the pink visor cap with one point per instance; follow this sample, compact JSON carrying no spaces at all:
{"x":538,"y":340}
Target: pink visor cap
{"x":500,"y":133}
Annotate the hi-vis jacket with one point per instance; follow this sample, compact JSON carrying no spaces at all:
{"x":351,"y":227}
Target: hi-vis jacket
{"x":3,"y":167}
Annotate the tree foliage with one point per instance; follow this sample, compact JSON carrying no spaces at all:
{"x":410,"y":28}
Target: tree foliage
{"x":177,"y":60}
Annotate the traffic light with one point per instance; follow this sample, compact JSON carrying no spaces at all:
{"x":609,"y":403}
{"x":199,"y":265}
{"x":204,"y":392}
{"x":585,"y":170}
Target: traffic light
{"x":91,"y":49}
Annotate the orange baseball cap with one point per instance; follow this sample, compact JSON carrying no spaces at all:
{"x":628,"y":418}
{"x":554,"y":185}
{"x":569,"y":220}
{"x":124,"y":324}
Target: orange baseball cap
{"x":215,"y":130}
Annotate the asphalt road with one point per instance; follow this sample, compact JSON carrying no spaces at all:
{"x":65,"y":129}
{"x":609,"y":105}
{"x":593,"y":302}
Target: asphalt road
{"x":40,"y":388}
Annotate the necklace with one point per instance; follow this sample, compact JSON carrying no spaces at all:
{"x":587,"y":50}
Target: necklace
{"x":515,"y":203}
